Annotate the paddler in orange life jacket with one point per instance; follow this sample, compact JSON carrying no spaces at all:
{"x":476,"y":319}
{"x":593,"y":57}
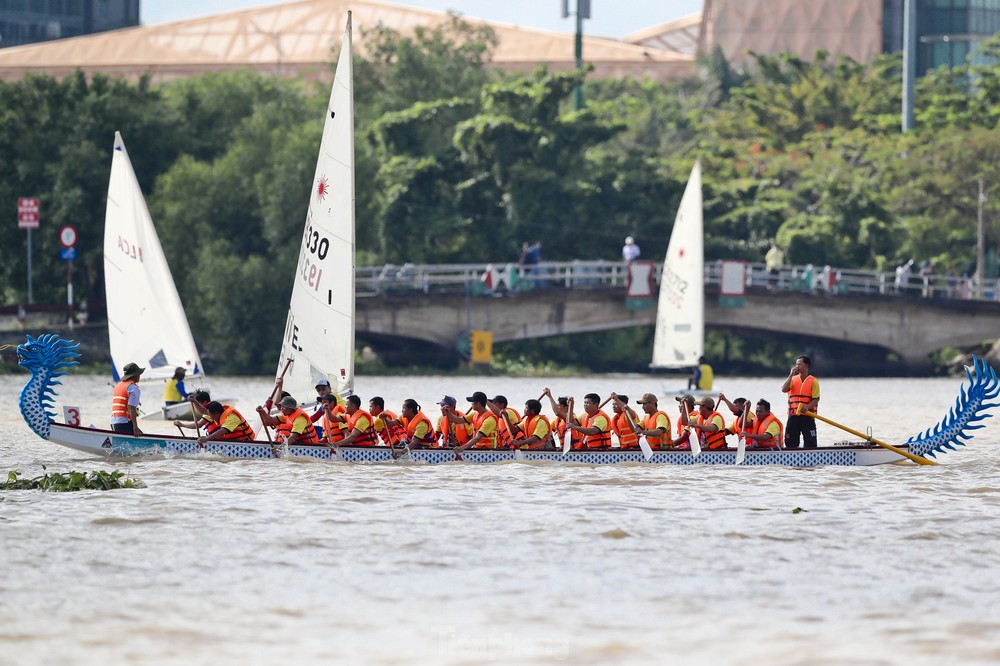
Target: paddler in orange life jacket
{"x":199,"y":404}
{"x":360,"y":424}
{"x":803,"y":396}
{"x":742,"y":416}
{"x":596,"y":426}
{"x":418,"y":430}
{"x":386,"y":424}
{"x":560,"y":408}
{"x":627,"y":439}
{"x":685,"y":407}
{"x":452,"y":432}
{"x":125,"y":404}
{"x":498,"y":405}
{"x":534,"y":432}
{"x":232,"y":425}
{"x":655,"y":425}
{"x":328,"y":431}
{"x":709,"y":424}
{"x":767,"y":432}
{"x":483,"y":421}
{"x":300,"y":429}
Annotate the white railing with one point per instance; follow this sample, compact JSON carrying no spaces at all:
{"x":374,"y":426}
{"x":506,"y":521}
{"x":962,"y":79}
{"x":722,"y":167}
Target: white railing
{"x":600,"y":273}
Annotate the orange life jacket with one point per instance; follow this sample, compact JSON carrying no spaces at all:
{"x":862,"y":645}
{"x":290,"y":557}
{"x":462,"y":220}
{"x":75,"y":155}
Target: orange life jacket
{"x":367,"y":437}
{"x":490,"y":441}
{"x":119,"y":403}
{"x":626,"y":437}
{"x":390,"y":434}
{"x":712,"y":440}
{"x":559,"y":426}
{"x":649,"y":423}
{"x":284,"y":429}
{"x":760,"y":427}
{"x":599,"y":441}
{"x":453,"y":434}
{"x":530,"y":422}
{"x":334,"y":431}
{"x":799,"y":393}
{"x":429,"y":438}
{"x":503,"y":437}
{"x":243,"y":431}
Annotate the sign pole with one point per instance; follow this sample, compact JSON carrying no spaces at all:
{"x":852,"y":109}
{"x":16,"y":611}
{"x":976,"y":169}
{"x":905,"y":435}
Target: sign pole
{"x":30,"y":299}
{"x":69,"y":293}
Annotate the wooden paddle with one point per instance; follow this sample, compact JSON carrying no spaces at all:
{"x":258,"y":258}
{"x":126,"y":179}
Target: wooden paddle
{"x":271,"y":398}
{"x":920,"y":460}
{"x":568,"y":437}
{"x":647,"y":450}
{"x":694,"y":438}
{"x":741,"y":440}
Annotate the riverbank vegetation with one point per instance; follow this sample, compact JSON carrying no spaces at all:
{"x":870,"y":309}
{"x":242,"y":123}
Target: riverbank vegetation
{"x":457,"y":162}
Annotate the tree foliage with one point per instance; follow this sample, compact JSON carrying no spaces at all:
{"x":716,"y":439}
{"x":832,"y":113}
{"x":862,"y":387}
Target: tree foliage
{"x":457,"y":162}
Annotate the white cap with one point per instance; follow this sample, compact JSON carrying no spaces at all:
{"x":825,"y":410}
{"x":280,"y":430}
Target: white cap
{"x":629,"y":240}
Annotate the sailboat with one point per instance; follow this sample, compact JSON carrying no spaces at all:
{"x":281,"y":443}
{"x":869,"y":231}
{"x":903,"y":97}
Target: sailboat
{"x":318,"y":342}
{"x":679,"y":340}
{"x":146,"y":321}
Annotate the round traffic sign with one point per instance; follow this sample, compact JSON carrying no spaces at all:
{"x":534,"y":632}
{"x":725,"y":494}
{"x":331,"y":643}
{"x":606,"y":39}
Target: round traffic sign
{"x":67,"y":236}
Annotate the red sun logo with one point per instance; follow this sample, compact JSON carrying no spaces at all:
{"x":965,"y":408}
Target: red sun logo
{"x":322,"y":188}
{"x":680,"y":253}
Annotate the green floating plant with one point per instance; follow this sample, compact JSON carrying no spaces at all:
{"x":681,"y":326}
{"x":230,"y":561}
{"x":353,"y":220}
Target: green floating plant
{"x":57,"y":482}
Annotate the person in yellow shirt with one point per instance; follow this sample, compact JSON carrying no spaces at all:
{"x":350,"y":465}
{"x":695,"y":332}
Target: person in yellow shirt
{"x":534,"y":429}
{"x":173,"y":391}
{"x":485,"y":423}
{"x":655,"y":425}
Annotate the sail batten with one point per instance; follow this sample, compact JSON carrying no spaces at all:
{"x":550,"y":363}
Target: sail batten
{"x":679,"y":340}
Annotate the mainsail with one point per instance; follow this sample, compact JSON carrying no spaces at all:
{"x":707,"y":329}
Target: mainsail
{"x":146,"y":321}
{"x":319,"y":331}
{"x":679,"y":340}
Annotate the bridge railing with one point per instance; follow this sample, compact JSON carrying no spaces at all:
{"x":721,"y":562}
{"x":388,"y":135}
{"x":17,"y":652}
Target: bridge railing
{"x":488,"y":279}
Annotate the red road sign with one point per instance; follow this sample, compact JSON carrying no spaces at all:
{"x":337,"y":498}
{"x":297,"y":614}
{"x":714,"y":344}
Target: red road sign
{"x":67,"y":236}
{"x":27,"y":213}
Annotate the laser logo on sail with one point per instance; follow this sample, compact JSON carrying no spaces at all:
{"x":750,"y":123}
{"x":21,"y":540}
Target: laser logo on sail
{"x":131,"y":250}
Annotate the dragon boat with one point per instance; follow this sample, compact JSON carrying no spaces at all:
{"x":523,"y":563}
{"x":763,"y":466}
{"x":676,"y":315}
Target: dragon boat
{"x":49,"y":357}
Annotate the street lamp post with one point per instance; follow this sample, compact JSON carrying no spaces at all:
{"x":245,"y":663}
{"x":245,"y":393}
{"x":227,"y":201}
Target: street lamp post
{"x":981,"y":242}
{"x":582,"y":12}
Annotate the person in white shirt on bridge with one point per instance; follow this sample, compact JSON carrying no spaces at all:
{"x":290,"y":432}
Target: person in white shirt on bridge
{"x":630,"y":251}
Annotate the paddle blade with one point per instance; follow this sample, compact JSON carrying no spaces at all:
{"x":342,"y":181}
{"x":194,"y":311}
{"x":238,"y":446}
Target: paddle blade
{"x":647,"y":450}
{"x":695,"y":445}
{"x":741,"y":450}
{"x":567,"y":441}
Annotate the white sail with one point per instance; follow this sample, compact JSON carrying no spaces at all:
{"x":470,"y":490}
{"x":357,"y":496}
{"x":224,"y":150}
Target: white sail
{"x":679,"y":340}
{"x":146,"y":321}
{"x":319,"y":332}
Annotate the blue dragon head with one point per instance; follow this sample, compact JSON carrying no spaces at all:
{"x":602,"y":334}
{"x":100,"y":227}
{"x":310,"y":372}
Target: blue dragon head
{"x":46,"y":358}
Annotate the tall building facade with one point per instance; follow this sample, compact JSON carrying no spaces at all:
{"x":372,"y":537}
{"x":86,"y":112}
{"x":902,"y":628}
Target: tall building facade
{"x":948,"y":31}
{"x":29,"y":21}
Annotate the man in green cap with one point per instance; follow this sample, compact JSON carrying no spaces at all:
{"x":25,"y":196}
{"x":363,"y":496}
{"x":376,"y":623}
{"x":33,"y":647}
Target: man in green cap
{"x":125,"y":404}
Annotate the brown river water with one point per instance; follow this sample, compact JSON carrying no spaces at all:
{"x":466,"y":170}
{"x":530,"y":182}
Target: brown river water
{"x":281,"y":561}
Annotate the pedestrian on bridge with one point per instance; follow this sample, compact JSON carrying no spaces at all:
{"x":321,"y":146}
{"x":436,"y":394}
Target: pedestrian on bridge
{"x":630,"y":251}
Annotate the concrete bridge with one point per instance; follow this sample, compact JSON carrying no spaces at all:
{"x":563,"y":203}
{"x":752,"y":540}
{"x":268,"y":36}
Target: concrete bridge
{"x":857,"y":307}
